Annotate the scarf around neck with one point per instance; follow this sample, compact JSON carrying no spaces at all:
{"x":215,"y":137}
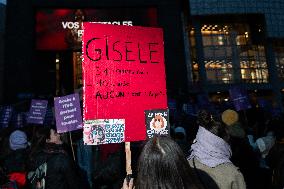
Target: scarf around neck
{"x":52,"y":148}
{"x":210,"y":149}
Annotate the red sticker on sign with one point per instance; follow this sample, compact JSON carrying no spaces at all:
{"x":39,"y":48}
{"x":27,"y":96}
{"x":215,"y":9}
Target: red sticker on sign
{"x":124,"y":74}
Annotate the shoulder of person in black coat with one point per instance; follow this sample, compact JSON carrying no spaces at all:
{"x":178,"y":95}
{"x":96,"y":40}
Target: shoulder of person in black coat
{"x":60,"y":167}
{"x":16,"y":161}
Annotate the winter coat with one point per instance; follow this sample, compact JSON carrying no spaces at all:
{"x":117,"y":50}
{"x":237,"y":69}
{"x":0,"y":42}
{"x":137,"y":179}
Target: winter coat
{"x":275,"y":160}
{"x":60,"y":169}
{"x":15,"y":165}
{"x":226,"y":175}
{"x":16,"y":161}
{"x":211,"y":154}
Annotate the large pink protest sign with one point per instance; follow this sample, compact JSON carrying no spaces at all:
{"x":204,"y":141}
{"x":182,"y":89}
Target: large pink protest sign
{"x":124,"y":74}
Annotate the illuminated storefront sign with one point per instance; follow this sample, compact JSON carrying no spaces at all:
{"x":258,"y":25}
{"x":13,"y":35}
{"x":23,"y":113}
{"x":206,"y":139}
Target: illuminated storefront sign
{"x":61,"y":29}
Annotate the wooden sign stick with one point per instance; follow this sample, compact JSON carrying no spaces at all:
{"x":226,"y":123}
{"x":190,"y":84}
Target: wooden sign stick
{"x":128,"y":161}
{"x":70,"y":137}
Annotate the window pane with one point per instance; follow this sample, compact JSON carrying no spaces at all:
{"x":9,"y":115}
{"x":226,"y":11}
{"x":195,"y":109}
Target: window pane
{"x":279,"y":56}
{"x":228,"y":50}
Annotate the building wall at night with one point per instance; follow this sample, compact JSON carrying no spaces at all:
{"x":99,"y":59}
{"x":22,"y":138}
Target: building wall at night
{"x":210,"y":45}
{"x":272,"y":10}
{"x":2,"y":35}
{"x":237,"y":42}
{"x":22,"y":63}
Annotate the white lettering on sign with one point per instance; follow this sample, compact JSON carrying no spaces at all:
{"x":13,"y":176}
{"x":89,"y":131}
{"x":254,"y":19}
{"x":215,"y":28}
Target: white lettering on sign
{"x":76,"y":25}
{"x":67,"y":105}
{"x":69,"y":122}
{"x":70,"y":25}
{"x":67,"y":111}
{"x":125,"y":23}
{"x":65,"y":100}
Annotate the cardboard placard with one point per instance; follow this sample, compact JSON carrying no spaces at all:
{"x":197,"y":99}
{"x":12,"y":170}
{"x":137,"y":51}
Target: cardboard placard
{"x":240,"y":98}
{"x":37,"y":111}
{"x":124,"y":74}
{"x":104,"y":131}
{"x":68,"y":113}
{"x":6,"y":113}
{"x":157,"y":123}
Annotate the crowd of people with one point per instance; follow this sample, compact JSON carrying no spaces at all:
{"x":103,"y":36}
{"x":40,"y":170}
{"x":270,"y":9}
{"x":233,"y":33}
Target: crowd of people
{"x":205,"y":150}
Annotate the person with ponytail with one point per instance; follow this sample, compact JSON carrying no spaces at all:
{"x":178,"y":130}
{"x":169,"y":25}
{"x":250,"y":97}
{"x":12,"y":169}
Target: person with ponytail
{"x":162,"y":165}
{"x":211,"y":153}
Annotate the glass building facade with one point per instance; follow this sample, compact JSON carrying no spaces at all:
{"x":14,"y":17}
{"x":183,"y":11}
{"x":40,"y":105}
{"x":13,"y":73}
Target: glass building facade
{"x":216,"y":44}
{"x":237,"y":42}
{"x":229,"y":54}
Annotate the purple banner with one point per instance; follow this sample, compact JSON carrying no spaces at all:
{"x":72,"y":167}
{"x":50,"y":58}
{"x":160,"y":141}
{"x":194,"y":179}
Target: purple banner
{"x":37,"y":111}
{"x":5,"y":116}
{"x":68,"y":113}
{"x":240,"y":98}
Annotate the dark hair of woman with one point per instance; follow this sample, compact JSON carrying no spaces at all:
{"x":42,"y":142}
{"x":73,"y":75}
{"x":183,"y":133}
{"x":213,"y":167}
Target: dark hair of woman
{"x":41,"y":134}
{"x":213,"y":124}
{"x":162,"y":165}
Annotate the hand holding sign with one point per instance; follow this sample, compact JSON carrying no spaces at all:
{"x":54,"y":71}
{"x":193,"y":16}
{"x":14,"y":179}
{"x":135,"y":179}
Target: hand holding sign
{"x":124,"y":75}
{"x":128,"y":158}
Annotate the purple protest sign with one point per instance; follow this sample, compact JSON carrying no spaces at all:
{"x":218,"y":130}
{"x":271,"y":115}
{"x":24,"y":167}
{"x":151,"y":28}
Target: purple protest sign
{"x":68,"y":113}
{"x":5,"y":116}
{"x":239,"y":98}
{"x":37,"y":111}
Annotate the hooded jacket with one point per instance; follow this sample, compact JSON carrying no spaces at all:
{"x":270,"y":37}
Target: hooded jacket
{"x":211,"y":154}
